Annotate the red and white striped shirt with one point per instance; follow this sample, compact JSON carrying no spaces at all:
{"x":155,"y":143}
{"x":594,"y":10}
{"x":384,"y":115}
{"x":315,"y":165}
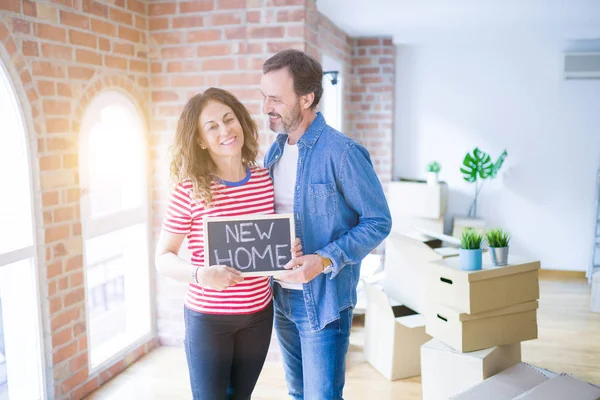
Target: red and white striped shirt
{"x":185,"y":216}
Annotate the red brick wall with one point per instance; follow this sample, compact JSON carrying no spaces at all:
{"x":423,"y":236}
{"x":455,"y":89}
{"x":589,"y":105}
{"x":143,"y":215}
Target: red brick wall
{"x":62,"y":52}
{"x":372,"y":101}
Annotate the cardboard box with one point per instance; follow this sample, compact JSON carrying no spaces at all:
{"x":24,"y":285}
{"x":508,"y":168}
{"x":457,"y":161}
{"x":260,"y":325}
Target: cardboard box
{"x":562,"y":387}
{"x":407,"y":258}
{"x":446,"y":372}
{"x":507,"y":384}
{"x":417,"y":199}
{"x":471,"y":332}
{"x":491,"y":288}
{"x":393,"y":336}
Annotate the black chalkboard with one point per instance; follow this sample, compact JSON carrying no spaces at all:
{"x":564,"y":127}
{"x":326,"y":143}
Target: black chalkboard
{"x":252,"y":244}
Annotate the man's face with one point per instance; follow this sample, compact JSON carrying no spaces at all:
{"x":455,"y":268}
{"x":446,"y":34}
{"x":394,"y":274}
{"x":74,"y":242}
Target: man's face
{"x":281,"y":103}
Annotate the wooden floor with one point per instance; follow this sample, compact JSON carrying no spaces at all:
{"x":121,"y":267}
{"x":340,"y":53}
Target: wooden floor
{"x":569,"y":341}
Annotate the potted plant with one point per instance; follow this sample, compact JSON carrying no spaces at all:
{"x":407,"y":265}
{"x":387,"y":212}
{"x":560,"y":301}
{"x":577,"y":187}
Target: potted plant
{"x":470,"y":249}
{"x":479,"y":166}
{"x":433,"y":168}
{"x":497,"y":239}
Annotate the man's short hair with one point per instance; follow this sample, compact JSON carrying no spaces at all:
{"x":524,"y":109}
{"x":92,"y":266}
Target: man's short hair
{"x":305,"y":70}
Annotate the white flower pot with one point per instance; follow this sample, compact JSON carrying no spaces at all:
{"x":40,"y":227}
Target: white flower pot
{"x":432,"y":178}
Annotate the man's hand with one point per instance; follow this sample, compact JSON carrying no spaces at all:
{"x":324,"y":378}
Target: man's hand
{"x":297,"y":248}
{"x":302,"y":269}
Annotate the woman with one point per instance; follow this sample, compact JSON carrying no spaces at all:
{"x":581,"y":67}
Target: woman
{"x":228,"y":318}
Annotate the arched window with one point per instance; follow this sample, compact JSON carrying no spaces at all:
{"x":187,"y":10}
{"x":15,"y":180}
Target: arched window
{"x":21,"y":360}
{"x":115,"y":225}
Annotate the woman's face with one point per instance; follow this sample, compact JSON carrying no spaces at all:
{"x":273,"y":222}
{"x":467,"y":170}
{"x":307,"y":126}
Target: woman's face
{"x":220,"y":131}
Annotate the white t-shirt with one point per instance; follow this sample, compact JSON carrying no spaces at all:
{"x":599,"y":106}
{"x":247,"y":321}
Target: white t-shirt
{"x":284,"y":181}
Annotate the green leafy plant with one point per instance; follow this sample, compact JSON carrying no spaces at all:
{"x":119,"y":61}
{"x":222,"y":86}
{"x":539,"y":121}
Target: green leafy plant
{"x":434,"y":166}
{"x":478,"y":166}
{"x":497,"y":237}
{"x":471,"y":239}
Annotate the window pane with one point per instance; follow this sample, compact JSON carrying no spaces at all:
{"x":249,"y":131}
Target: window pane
{"x":20,"y":362}
{"x":15,"y":204}
{"x":117,"y":290}
{"x":116,"y":163}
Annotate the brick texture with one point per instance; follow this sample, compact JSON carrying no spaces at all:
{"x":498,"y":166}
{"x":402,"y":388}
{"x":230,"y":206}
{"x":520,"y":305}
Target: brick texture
{"x":372,"y":101}
{"x":61,"y":51}
{"x":159,"y":52}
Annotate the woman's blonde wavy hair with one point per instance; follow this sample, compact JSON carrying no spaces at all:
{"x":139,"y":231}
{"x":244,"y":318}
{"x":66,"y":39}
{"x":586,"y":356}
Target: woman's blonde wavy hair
{"x":189,"y":160}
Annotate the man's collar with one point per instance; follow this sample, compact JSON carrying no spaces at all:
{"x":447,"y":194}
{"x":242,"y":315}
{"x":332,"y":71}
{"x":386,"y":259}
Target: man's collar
{"x":313,"y":132}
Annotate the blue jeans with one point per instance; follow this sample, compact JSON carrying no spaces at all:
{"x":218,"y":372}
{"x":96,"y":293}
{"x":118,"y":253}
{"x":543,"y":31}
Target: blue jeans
{"x":225,"y":353}
{"x":314,"y":361}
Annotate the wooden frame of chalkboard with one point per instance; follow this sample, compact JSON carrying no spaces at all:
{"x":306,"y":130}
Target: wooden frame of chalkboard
{"x":245,"y":230}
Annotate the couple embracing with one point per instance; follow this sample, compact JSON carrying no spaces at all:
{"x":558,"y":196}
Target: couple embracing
{"x":326,"y":180}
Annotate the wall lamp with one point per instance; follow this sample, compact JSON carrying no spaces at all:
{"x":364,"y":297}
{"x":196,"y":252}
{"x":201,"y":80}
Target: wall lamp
{"x":334,"y":76}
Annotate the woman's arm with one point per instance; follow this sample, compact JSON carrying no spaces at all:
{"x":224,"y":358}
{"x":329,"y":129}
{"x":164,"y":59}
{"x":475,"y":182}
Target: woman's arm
{"x":169,"y":264}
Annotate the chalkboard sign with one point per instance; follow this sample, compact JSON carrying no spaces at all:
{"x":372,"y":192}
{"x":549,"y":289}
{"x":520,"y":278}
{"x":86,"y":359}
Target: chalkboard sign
{"x":252,"y":244}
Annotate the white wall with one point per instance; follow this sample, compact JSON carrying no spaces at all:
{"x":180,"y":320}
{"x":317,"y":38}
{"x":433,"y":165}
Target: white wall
{"x":457,"y":94}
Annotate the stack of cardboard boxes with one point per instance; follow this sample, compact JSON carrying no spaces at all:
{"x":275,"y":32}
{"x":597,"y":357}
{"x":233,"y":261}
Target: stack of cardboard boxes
{"x":477,"y":320}
{"x":461,"y":330}
{"x":394,"y":324}
{"x":396,"y":303}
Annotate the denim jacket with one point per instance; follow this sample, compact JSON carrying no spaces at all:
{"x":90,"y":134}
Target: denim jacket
{"x":340,"y":212}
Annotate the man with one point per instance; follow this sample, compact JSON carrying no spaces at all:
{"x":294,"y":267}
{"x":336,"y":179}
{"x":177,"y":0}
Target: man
{"x":327,"y":181}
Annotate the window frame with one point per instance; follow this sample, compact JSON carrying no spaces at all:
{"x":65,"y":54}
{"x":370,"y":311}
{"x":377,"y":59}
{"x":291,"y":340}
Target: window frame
{"x":34,"y":252}
{"x":94,"y":227}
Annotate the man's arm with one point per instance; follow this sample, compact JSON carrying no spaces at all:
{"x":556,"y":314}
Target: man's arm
{"x":363,"y":192}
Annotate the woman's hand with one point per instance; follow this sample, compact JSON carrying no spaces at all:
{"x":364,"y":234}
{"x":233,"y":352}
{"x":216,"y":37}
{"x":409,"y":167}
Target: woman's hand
{"x":297,"y":248}
{"x":218,"y":277}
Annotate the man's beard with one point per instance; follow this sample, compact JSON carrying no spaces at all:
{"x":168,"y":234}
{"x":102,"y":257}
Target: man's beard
{"x":288,"y":124}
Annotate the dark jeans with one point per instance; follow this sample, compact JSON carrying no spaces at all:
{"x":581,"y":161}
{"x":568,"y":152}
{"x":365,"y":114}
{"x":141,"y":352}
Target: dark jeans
{"x":225,"y":353}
